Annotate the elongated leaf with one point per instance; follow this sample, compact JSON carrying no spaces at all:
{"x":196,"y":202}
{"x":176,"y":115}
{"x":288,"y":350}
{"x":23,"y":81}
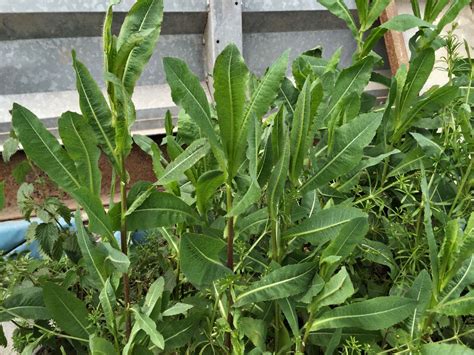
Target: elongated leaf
{"x":301,"y":133}
{"x":421,"y":293}
{"x":186,"y":160}
{"x":443,"y":349}
{"x":93,"y":257}
{"x":255,"y":330}
{"x":251,"y":196}
{"x":99,"y":221}
{"x":376,"y":313}
{"x":95,"y":109}
{"x":338,"y":289}
{"x":146,"y":324}
{"x":24,"y":303}
{"x":107,"y":302}
{"x":338,"y":8}
{"x":200,"y":259}
{"x":153,"y":296}
{"x":187,"y":92}
{"x":160,"y":209}
{"x":68,"y":312}
{"x":145,"y":15}
{"x":100,"y":346}
{"x":375,"y":10}
{"x":230,"y":83}
{"x":400,"y":23}
{"x":450,"y":15}
{"x":347,"y":239}
{"x":276,"y":184}
{"x":206,"y":187}
{"x":432,"y":246}
{"x":463,"y":277}
{"x":349,"y":142}
{"x":44,"y":150}
{"x":115,"y":259}
{"x":351,"y":80}
{"x":463,"y":306}
{"x":289,"y":310}
{"x":178,"y":332}
{"x":263,"y":96}
{"x":284,"y":282}
{"x":81,"y":145}
{"x":178,"y":308}
{"x":420,"y":69}
{"x":323,"y":225}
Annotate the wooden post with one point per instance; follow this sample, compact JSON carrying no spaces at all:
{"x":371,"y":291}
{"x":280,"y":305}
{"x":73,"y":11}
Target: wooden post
{"x":394,"y":41}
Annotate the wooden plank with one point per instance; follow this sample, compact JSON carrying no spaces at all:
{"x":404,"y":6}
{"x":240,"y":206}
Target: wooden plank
{"x":394,"y":41}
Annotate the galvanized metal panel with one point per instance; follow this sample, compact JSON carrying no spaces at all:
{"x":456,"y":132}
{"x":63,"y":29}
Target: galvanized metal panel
{"x":287,"y":5}
{"x":29,"y":66}
{"x":29,"y":6}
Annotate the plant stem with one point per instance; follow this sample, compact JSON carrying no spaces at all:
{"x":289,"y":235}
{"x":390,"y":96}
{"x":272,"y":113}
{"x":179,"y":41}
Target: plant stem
{"x":124,"y":247}
{"x":230,"y":262}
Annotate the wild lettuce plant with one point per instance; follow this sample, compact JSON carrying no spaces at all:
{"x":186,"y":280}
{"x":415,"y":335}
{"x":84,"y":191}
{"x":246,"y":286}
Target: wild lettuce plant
{"x":298,"y":215}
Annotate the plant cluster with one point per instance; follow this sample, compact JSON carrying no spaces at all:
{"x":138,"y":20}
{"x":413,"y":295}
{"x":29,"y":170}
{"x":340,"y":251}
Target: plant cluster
{"x":294,"y":215}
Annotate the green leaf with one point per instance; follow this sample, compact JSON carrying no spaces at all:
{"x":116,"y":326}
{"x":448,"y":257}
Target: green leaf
{"x":160,"y":209}
{"x":10,"y":147}
{"x":178,"y":332}
{"x":186,"y":160}
{"x":146,"y":324}
{"x":400,"y":23}
{"x":284,"y":282}
{"x":323,"y":225}
{"x":338,"y":8}
{"x":241,"y":204}
{"x":464,"y":276}
{"x":463,"y":306}
{"x":178,"y":308}
{"x":443,"y":349}
{"x":81,"y":145}
{"x":115,"y":259}
{"x":429,"y":147}
{"x":276,"y":183}
{"x":421,"y":292}
{"x":351,"y":80}
{"x":145,"y":15}
{"x":99,"y":221}
{"x":154,"y":294}
{"x":451,"y":13}
{"x":230,"y":84}
{"x":100,"y":346}
{"x":206,"y":187}
{"x":44,"y":150}
{"x":255,"y":330}
{"x":24,"y":303}
{"x":375,"y":10}
{"x":349,"y":141}
{"x":373,"y":314}
{"x":338,"y":289}
{"x":188,"y":93}
{"x":200,"y":260}
{"x":350,"y":235}
{"x":67,"y":310}
{"x":95,"y":109}
{"x":289,"y":310}
{"x":47,"y":235}
{"x":432,"y":246}
{"x":301,"y":127}
{"x":108,"y":302}
{"x":420,"y":69}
